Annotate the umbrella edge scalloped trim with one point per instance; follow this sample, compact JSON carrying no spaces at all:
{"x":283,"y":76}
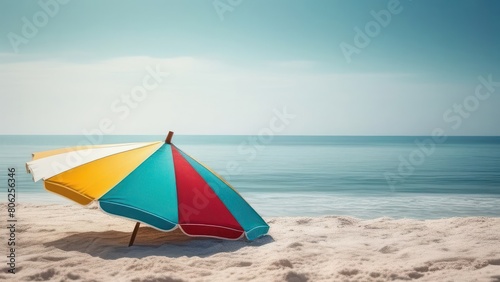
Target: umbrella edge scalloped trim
{"x":132,"y":219}
{"x":179,"y":226}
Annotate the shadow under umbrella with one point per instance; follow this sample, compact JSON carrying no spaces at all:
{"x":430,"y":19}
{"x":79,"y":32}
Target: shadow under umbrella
{"x":112,"y":244}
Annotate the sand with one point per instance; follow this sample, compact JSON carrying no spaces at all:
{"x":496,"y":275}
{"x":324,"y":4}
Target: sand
{"x":73,"y":243}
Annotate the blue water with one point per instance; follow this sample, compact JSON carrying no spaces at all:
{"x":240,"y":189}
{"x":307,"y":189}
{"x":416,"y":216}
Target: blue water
{"x":364,"y":177}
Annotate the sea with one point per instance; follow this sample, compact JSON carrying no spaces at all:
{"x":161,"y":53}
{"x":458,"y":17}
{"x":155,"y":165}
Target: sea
{"x":367,"y":177}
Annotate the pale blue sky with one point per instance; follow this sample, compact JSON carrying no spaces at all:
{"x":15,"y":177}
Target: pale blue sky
{"x":227,"y":75}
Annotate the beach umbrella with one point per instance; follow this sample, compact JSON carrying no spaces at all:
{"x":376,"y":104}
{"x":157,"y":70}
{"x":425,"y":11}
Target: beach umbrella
{"x":155,"y":183}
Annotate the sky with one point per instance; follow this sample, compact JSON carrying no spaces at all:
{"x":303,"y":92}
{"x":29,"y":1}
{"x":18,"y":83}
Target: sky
{"x":295,"y":67}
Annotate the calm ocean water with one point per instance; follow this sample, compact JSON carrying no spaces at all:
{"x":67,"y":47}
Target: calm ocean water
{"x":364,"y":177}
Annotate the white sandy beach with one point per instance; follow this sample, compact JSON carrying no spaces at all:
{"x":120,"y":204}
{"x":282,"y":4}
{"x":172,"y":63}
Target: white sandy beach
{"x":73,"y":243}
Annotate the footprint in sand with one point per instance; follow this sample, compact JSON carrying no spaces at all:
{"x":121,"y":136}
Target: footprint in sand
{"x":295,"y":245}
{"x":73,"y":276}
{"x":303,"y":221}
{"x":494,"y":261}
{"x":349,"y":272}
{"x":43,"y":276}
{"x":388,"y":250}
{"x":296,"y":277}
{"x":283,"y":263}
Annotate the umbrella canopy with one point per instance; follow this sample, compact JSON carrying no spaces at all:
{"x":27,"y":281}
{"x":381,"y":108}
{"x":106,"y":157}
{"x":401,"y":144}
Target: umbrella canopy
{"x":155,"y":183}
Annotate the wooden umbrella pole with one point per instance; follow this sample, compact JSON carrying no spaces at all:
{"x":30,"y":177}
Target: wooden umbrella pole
{"x":136,"y":229}
{"x":169,"y":137}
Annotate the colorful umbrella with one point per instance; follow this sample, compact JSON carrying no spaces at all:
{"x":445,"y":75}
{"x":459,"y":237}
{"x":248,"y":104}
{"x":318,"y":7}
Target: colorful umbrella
{"x":155,"y":183}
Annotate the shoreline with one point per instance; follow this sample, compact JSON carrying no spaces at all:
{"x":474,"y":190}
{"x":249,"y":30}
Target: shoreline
{"x":70,"y":242}
{"x":397,"y":206}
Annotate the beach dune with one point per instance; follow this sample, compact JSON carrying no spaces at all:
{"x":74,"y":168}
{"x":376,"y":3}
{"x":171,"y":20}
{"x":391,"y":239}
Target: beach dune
{"x":72,"y":243}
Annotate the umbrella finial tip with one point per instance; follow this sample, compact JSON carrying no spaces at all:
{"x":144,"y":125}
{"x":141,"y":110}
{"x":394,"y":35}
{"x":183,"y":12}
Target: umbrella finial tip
{"x":169,"y":137}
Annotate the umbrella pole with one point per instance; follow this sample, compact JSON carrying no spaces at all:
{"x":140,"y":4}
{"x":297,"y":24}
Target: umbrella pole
{"x":169,"y":137}
{"x":136,"y":229}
